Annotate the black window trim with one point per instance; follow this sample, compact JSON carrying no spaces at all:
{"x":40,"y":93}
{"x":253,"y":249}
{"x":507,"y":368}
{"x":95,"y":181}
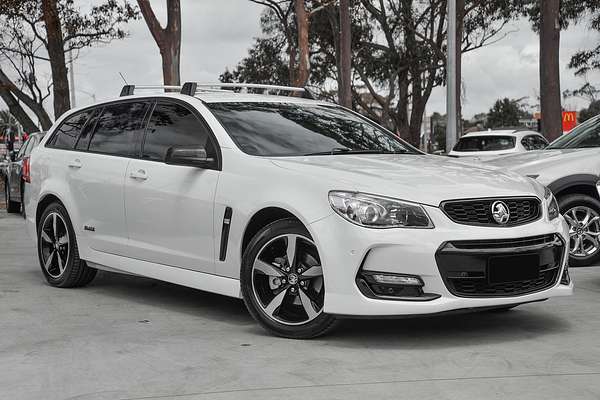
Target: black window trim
{"x":152,"y":100}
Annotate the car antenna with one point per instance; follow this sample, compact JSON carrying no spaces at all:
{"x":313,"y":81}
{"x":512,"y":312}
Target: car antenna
{"x":122,"y":77}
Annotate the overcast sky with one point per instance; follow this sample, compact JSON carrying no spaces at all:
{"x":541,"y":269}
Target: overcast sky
{"x":217,"y":33}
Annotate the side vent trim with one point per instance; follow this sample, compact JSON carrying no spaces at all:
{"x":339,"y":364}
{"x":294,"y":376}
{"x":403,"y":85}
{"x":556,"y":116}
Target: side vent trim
{"x":225,"y":233}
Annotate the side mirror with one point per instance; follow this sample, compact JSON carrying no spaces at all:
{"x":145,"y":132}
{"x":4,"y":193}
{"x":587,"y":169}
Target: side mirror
{"x":190,"y":156}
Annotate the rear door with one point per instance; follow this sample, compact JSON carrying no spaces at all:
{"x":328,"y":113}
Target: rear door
{"x":96,"y":172}
{"x":169,"y":208}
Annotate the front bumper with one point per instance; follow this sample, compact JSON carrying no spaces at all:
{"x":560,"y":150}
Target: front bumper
{"x":346,"y":248}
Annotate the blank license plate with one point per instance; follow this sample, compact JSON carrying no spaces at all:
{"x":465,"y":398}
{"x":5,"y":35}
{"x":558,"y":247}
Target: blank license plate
{"x":513,"y":268}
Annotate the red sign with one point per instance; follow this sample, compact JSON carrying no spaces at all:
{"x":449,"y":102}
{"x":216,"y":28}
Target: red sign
{"x":569,"y":120}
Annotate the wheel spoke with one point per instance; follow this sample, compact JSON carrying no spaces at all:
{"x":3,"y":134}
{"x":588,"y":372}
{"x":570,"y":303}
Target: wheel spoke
{"x":48,"y":262}
{"x":572,"y":223}
{"x":587,"y":217}
{"x":307,"y":304}
{"x":291,"y":249}
{"x":45,"y":237}
{"x":266,"y":268}
{"x":63,"y":240}
{"x":316,"y":270}
{"x":61,"y":266}
{"x":591,"y":221}
{"x":54,"y":230}
{"x":275,"y":303}
{"x":592,"y":239}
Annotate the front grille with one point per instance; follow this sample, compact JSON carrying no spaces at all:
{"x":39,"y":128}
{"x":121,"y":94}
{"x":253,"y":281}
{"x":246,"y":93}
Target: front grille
{"x":465,"y":265}
{"x":479,"y":211}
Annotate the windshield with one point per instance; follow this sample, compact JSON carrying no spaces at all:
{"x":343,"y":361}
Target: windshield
{"x":284,"y":129}
{"x":485,"y":143}
{"x":584,"y":135}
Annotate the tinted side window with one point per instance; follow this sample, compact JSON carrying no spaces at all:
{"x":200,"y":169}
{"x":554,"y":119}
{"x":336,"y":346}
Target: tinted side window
{"x":118,"y":129}
{"x":539,"y":142}
{"x":86,"y":132}
{"x":174,"y":125}
{"x":527,"y":142}
{"x":66,"y":135}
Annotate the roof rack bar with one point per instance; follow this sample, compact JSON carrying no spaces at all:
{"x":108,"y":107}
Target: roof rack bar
{"x":129,"y":90}
{"x":250,"y":86}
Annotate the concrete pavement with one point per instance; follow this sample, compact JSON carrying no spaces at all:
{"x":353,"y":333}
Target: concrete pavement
{"x":125,"y":337}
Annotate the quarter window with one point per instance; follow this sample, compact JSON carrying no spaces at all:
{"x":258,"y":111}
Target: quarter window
{"x":68,"y":132}
{"x":174,"y":125}
{"x":119,"y":129}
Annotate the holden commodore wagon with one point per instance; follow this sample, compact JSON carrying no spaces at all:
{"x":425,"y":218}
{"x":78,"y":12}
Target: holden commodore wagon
{"x":307,"y":211}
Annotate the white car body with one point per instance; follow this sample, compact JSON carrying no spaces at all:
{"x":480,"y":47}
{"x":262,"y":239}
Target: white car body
{"x":168,"y":225}
{"x":520,"y":137}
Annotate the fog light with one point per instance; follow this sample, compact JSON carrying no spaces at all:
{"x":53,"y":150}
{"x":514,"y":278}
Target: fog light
{"x":397,"y":280}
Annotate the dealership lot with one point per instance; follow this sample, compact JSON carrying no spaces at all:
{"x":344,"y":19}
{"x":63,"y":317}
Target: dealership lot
{"x":126,"y":337}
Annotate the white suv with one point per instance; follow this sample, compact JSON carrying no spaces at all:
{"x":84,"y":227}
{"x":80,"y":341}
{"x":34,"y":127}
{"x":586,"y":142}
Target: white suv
{"x":304,"y":209}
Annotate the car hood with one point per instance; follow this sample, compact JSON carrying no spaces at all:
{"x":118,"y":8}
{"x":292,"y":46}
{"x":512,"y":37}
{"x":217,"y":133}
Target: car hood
{"x":419,"y":178}
{"x":538,"y":160}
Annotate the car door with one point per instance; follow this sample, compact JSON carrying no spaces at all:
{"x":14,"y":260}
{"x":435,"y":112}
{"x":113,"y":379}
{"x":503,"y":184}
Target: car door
{"x":14,"y":171}
{"x":96,"y":172}
{"x":169,"y":208}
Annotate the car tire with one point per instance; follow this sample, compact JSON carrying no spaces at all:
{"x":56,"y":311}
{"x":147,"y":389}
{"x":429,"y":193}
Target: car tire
{"x":574,"y":208}
{"x":287,"y":300}
{"x":58,"y":252}
{"x":12,"y":207}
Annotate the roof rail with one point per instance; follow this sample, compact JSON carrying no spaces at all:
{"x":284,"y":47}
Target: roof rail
{"x":191,"y":88}
{"x":128,"y":90}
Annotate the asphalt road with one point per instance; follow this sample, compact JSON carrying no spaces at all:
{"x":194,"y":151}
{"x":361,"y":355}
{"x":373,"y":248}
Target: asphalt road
{"x":124,"y":337}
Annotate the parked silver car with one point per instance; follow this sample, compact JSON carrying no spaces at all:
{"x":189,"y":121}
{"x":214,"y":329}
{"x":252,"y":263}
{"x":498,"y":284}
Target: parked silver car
{"x":570,"y":167}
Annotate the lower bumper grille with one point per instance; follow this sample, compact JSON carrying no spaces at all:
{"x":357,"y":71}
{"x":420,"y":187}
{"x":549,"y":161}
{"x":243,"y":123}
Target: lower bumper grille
{"x":488,"y":268}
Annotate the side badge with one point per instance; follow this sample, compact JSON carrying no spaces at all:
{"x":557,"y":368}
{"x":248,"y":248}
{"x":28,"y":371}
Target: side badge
{"x":89,"y":228}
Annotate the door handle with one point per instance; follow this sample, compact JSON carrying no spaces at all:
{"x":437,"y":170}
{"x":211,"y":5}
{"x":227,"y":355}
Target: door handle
{"x":75,"y":164}
{"x":140,"y":174}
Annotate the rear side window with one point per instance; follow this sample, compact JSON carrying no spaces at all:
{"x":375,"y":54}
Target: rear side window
{"x":534,"y":142}
{"x":88,"y":129}
{"x":174,"y":125}
{"x":119,"y":129}
{"x":485,"y":143}
{"x":66,"y":135}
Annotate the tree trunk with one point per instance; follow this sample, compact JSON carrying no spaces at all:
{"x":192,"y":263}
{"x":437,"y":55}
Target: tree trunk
{"x":345,"y":72}
{"x":167,"y":39}
{"x":303,"y":45}
{"x":56,"y":53}
{"x":460,"y":15}
{"x":551,"y":123}
{"x":17,"y":111}
{"x":35,"y":107}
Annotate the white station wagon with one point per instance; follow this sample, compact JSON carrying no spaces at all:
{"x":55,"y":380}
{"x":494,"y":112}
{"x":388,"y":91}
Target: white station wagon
{"x":307,"y":211}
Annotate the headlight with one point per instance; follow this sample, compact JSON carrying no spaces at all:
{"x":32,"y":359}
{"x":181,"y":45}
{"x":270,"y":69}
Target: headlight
{"x":553,"y":211}
{"x":378,"y":212}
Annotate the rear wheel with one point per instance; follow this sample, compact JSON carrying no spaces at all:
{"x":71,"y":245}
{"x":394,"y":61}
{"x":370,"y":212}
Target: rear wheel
{"x":57,"y":250}
{"x":12,"y":207}
{"x":582,"y":213}
{"x":282,"y":281}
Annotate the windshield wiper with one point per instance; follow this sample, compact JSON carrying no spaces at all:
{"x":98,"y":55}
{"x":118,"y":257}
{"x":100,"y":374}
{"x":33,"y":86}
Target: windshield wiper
{"x":344,"y":150}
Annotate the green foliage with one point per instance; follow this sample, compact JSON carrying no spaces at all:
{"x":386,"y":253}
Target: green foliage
{"x":592,"y":110}
{"x":505,"y":113}
{"x":264,"y":64}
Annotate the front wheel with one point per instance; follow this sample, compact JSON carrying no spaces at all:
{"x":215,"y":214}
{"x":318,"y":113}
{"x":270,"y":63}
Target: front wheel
{"x":582,"y":213}
{"x":58,"y":252}
{"x":282,"y":281}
